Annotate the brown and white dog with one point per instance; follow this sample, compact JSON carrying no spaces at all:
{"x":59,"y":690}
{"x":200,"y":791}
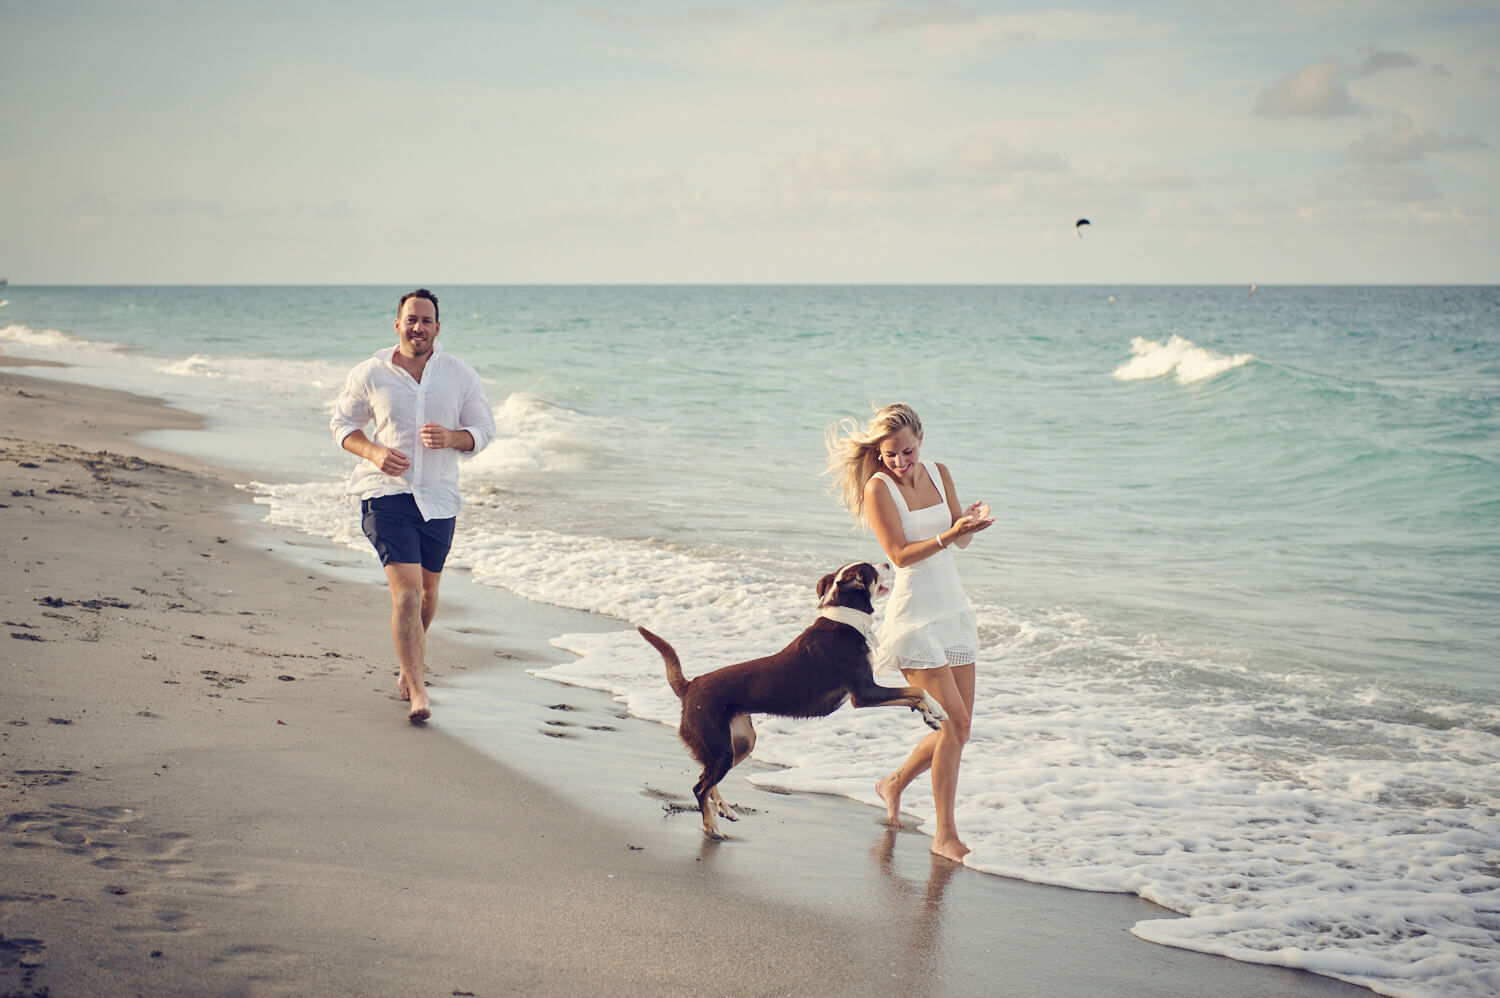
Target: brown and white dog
{"x":825,"y":665}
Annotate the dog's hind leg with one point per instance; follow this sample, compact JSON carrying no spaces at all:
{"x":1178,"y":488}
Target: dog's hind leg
{"x":742,"y":742}
{"x":706,"y":790}
{"x":715,"y":738}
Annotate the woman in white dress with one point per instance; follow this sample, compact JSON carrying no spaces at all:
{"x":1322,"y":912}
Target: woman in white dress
{"x":929,"y":632}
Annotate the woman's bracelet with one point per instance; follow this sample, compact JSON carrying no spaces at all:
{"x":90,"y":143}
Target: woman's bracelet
{"x":939,"y":538}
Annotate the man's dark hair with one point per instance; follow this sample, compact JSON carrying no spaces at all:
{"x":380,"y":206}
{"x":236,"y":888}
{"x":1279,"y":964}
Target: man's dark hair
{"x":419,"y":293}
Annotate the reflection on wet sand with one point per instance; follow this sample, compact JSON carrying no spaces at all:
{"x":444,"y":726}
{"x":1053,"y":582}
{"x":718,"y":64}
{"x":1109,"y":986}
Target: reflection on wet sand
{"x":918,"y":906}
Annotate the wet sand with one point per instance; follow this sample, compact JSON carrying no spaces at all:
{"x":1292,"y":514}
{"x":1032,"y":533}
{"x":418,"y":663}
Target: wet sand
{"x":209,"y":788}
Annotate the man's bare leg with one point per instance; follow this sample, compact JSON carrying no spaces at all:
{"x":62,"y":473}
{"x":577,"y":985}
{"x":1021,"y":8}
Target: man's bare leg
{"x":409,"y":635}
{"x":430,"y":583}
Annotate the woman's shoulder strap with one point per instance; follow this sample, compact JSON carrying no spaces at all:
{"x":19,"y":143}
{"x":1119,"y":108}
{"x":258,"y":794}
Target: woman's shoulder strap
{"x":891,"y":485}
{"x":936,"y":473}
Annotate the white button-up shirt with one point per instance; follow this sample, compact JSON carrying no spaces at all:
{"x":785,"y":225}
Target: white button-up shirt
{"x":449,"y":394}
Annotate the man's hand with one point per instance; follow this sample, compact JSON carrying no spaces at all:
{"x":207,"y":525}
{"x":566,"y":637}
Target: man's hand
{"x":436,"y":437}
{"x":389,"y":460}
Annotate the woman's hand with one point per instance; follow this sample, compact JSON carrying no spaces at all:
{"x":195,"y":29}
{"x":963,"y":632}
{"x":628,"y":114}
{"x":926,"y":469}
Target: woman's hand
{"x":976,"y":518}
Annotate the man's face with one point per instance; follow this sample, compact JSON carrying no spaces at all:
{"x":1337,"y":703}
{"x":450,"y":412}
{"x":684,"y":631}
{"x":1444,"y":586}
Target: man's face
{"x":417,"y":327}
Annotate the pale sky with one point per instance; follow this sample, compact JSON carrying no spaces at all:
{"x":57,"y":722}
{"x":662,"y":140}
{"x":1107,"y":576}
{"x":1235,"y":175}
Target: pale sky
{"x":772,"y":141}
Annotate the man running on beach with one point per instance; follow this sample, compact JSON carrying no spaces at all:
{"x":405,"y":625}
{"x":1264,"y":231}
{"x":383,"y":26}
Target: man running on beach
{"x":428,"y":407}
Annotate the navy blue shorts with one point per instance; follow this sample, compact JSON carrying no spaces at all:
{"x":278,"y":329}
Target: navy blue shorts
{"x":400,"y":535}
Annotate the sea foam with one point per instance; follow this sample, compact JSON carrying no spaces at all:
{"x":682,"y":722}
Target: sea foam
{"x":42,"y":342}
{"x":535,"y":435}
{"x":1183,"y":358}
{"x":260,"y":377}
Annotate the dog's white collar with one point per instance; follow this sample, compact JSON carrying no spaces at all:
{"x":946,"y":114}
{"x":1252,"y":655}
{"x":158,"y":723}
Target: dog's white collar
{"x":862,"y":622}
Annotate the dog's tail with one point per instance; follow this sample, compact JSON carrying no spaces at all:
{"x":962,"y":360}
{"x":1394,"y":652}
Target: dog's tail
{"x":675,"y":678}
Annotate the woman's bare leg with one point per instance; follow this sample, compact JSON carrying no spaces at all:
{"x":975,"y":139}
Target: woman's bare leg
{"x":940,"y":751}
{"x":890,"y":787}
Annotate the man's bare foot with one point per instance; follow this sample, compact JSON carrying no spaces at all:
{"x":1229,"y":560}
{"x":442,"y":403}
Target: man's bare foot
{"x":886,"y":790}
{"x":401,"y":687}
{"x":950,"y":849}
{"x":421,"y":707}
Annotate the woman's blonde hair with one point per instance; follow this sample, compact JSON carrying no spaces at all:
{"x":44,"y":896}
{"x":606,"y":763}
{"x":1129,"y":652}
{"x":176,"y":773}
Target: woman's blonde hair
{"x":854,"y":451}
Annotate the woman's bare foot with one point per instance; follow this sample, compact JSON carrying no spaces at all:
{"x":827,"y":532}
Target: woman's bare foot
{"x":888,"y":791}
{"x":950,"y":849}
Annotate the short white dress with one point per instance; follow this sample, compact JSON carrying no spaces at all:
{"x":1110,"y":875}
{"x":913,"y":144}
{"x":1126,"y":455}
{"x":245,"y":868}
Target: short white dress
{"x":928,"y":621}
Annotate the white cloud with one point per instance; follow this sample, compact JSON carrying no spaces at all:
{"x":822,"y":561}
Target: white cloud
{"x":664,"y":200}
{"x":337,"y":209}
{"x":1404,"y":144}
{"x":1377,"y":61}
{"x":981,"y":157}
{"x":872,"y":168}
{"x":1161,"y":178}
{"x":1317,"y":90}
{"x":182,"y":206}
{"x":1381,"y":184}
{"x":945,"y":29}
{"x":931,"y":14}
{"x":649,"y":16}
{"x":1396,"y":184}
{"x":92,"y":203}
{"x":875,"y":172}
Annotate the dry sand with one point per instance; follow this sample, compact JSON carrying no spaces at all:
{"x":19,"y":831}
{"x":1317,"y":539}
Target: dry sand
{"x":208,"y":788}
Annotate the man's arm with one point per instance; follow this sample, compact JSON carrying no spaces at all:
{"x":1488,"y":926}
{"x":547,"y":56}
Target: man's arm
{"x":477,"y":418}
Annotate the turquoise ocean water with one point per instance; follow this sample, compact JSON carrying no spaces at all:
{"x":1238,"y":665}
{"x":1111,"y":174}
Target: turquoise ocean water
{"x":1240,"y":610}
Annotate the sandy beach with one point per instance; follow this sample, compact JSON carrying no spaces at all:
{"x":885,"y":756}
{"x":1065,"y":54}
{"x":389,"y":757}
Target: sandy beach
{"x":209,"y":788}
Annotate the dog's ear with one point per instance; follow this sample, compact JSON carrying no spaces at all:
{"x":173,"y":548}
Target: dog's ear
{"x":823,"y":585}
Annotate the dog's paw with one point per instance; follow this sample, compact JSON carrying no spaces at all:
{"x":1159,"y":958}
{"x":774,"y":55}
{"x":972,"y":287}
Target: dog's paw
{"x":932,"y":712}
{"x":723,"y":809}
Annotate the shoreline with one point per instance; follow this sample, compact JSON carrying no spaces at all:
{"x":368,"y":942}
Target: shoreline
{"x":210,"y":788}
